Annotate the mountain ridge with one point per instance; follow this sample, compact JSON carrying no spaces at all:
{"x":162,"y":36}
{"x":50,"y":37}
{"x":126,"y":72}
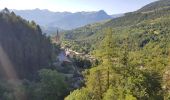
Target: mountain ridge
{"x":155,"y":5}
{"x":63,"y":20}
{"x":92,"y":34}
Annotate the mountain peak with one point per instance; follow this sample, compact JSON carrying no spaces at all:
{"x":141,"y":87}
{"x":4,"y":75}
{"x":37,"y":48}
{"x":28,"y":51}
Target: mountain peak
{"x":102,"y":12}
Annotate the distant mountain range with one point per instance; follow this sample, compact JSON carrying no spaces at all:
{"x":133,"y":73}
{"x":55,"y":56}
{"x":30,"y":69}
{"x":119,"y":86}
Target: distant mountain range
{"x":64,"y":20}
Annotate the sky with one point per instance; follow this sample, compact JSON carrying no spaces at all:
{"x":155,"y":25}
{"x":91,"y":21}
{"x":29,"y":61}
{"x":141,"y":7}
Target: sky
{"x":110,"y":6}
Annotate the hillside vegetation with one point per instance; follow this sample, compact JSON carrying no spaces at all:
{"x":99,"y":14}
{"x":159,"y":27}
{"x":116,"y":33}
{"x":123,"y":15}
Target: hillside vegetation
{"x":90,"y":34}
{"x":26,"y":61}
{"x":24,"y":44}
{"x":133,"y":54}
{"x":127,"y":58}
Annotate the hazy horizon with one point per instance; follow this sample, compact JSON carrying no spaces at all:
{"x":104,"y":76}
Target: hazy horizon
{"x":109,"y":6}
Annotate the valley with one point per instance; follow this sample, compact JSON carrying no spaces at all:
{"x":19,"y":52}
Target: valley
{"x":88,"y":55}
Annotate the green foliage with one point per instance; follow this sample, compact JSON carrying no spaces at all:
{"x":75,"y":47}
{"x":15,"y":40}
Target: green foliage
{"x":150,"y":14}
{"x":82,"y":62}
{"x":12,"y":90}
{"x":132,"y":53}
{"x":79,"y":94}
{"x":117,"y":75}
{"x":23,"y":42}
{"x":28,"y":51}
{"x":110,"y":95}
{"x":118,"y":94}
{"x":156,"y":5}
{"x":52,"y":85}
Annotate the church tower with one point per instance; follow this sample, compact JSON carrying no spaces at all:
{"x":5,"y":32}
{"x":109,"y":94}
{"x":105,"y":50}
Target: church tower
{"x":57,"y":37}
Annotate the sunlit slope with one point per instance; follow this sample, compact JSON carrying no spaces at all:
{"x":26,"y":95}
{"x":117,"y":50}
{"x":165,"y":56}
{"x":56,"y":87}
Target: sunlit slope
{"x":92,"y":34}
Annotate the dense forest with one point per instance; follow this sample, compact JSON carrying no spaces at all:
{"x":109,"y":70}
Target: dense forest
{"x":131,"y":58}
{"x":29,"y":65}
{"x":26,"y":57}
{"x":133,"y":54}
{"x":26,"y":47}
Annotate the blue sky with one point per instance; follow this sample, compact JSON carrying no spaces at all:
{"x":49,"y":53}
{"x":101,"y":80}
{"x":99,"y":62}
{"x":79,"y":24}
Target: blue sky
{"x":110,"y":6}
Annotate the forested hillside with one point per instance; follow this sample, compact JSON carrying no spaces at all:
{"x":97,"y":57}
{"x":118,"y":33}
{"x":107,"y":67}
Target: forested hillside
{"x":30,"y":66}
{"x":126,"y":58}
{"x":133,"y":54}
{"x":24,"y":44}
{"x":91,"y":34}
{"x":26,"y":57}
{"x":156,"y":5}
